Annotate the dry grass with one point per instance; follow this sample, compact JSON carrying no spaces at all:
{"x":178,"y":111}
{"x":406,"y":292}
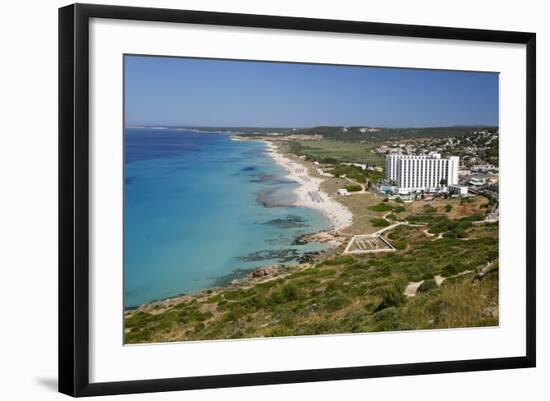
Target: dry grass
{"x":463,"y":304}
{"x":357,"y":204}
{"x":460,"y":208}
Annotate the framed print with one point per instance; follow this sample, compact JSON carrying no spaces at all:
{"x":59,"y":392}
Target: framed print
{"x":278,"y":199}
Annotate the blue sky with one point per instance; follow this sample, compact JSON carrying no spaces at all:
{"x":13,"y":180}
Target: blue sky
{"x":195,"y":92}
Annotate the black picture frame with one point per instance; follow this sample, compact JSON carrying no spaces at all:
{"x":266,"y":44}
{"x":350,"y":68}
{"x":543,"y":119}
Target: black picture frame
{"x":74,"y":198}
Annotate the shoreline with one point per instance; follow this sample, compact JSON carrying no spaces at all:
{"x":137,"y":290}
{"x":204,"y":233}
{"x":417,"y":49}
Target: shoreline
{"x":308,"y":194}
{"x":339,"y":218}
{"x":255,"y":276}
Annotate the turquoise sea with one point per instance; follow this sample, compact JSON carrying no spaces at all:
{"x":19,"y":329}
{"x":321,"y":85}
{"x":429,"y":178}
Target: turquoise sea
{"x":201,"y":209}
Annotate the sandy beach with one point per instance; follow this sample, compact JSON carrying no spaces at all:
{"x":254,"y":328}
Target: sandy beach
{"x":308,"y":193}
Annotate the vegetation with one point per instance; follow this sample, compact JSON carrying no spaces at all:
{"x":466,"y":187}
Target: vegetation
{"x":381,"y":207}
{"x":353,"y":172}
{"x":336,"y":151}
{"x":354,"y":187}
{"x":427,"y":285}
{"x":441,"y":224}
{"x":374,"y":175}
{"x":354,"y":134}
{"x":379,"y":222}
{"x":391,"y":217}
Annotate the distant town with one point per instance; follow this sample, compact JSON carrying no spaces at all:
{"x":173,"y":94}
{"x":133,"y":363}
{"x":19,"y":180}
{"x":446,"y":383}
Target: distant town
{"x":420,"y":163}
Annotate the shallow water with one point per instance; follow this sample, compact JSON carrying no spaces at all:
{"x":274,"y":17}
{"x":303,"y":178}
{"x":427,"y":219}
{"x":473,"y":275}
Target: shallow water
{"x":200,"y":209}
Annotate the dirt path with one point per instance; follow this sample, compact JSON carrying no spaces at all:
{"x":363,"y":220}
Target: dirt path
{"x":363,"y":189}
{"x":412,"y":287}
{"x":440,"y":279}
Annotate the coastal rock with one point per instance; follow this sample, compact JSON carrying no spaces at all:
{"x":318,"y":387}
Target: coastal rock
{"x":308,"y":257}
{"x":303,"y":240}
{"x":322,"y":237}
{"x":263,"y":272}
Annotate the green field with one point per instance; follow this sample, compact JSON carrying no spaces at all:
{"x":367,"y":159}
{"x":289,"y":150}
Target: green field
{"x":338,"y":151}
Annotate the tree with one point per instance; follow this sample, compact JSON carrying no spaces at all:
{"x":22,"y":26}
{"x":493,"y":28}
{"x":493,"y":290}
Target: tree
{"x":443,"y":182}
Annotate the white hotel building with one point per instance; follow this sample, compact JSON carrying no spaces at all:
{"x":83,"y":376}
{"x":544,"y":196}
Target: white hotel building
{"x":428,"y":173}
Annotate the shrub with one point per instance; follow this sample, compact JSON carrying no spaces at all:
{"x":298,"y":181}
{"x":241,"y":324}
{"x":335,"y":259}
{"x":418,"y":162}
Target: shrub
{"x":378,"y":222}
{"x":457,"y":232}
{"x":438,"y":228}
{"x":290,"y":292}
{"x":138,"y":320}
{"x":400,"y":245}
{"x":451,"y":234}
{"x":354,"y":188}
{"x":256,"y":301}
{"x":235,"y":295}
{"x":450,"y":281}
{"x":198,"y":327}
{"x":337,"y":301}
{"x":398,"y":209}
{"x":429,"y":209}
{"x":420,"y":218}
{"x":326,"y":273}
{"x":276,"y":297}
{"x":448,"y":208}
{"x":281,"y":295}
{"x":381,"y":207}
{"x":141,"y":336}
{"x":427,"y":285}
{"x":450,"y":270}
{"x":474,"y":217}
{"x":391,"y":296}
{"x":344,"y":260}
{"x":465,"y":224}
{"x":387,"y":319}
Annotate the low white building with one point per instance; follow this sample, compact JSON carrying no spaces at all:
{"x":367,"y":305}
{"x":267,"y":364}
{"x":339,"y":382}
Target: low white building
{"x":477,"y":181}
{"x":323,"y":173}
{"x":458,"y":190}
{"x":360,"y":165}
{"x":342,"y":192}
